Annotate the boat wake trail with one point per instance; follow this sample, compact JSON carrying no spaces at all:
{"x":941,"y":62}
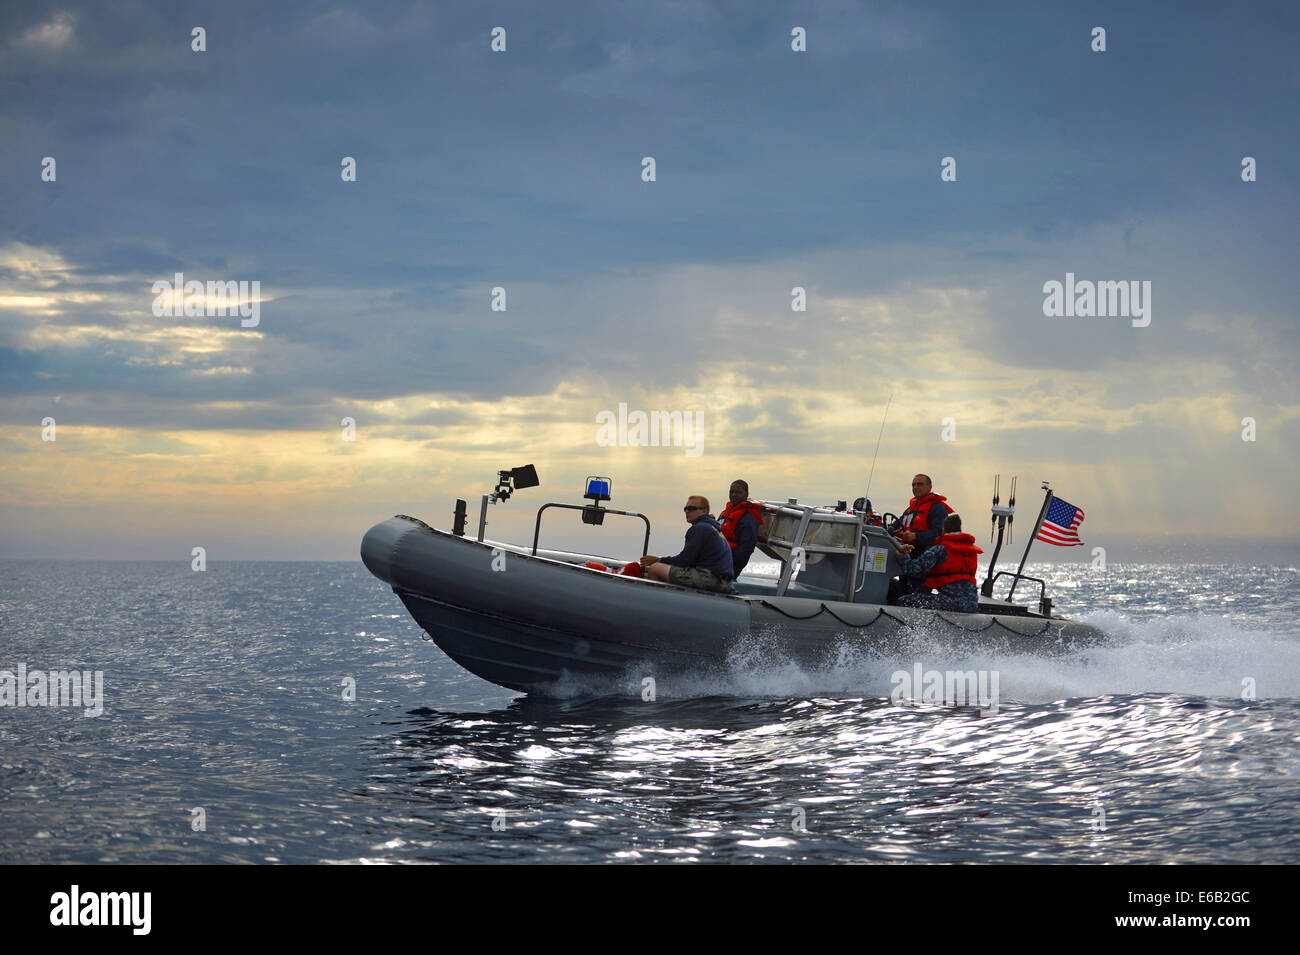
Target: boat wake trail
{"x":1188,"y":655}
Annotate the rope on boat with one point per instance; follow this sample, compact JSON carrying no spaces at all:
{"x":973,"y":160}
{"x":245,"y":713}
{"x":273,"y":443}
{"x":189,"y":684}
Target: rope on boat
{"x":903,"y":621}
{"x":849,"y":623}
{"x":817,"y":613}
{"x":954,"y":623}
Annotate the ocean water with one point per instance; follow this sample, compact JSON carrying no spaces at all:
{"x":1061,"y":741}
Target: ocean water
{"x":226,"y":737}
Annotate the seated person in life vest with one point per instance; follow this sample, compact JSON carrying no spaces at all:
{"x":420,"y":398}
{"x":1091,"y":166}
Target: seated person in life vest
{"x":740,"y":520}
{"x":705,"y":561}
{"x":950,"y":566}
{"x":921,"y":524}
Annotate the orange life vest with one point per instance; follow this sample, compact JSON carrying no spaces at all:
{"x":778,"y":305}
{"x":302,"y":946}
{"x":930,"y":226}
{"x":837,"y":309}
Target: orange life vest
{"x":731,"y":515}
{"x":916,"y":517}
{"x":962,"y":561}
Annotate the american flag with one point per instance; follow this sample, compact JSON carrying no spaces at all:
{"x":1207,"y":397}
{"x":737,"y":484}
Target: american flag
{"x":1061,"y":524}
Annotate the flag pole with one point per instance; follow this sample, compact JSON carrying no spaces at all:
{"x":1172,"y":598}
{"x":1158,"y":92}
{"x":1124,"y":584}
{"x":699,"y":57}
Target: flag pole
{"x":1032,"y":537}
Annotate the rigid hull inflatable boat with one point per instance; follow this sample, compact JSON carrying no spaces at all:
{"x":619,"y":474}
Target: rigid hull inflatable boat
{"x":531,"y":619}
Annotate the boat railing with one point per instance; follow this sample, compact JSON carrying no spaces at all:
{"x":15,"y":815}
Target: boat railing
{"x":874,"y":557}
{"x":1044,"y":602}
{"x":591,"y":514}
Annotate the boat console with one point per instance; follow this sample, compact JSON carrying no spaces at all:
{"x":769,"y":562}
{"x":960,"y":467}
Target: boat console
{"x":832,"y":551}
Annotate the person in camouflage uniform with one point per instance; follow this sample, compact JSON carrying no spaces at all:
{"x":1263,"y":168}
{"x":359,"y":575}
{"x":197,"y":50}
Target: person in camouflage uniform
{"x":950,"y":565}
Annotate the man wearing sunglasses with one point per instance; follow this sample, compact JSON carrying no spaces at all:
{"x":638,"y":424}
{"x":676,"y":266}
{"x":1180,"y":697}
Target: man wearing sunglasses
{"x":705,"y":560}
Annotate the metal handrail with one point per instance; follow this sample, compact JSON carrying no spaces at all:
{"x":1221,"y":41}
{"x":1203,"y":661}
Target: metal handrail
{"x":863,"y":544}
{"x":787,"y":568}
{"x":1042,"y":586}
{"x":537,"y":528}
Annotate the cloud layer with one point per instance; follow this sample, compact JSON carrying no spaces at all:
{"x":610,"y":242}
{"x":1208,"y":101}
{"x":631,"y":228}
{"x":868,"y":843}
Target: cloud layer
{"x":522,"y":170}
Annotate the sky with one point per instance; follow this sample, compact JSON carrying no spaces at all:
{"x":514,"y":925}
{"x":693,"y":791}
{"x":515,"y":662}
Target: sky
{"x":523,"y":169}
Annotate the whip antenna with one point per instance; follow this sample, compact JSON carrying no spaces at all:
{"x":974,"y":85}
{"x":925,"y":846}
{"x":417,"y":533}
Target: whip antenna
{"x":878,"y":437}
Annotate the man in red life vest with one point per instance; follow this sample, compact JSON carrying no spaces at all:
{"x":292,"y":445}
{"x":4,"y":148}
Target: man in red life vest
{"x":922,"y":523}
{"x":740,"y":520}
{"x":950,"y":567}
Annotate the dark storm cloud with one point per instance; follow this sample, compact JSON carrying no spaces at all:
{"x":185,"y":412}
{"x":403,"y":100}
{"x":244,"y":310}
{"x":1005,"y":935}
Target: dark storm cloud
{"x":522,"y":170}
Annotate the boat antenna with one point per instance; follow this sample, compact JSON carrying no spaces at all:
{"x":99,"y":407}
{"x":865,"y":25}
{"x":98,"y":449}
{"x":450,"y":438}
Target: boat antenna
{"x":1011,"y":518}
{"x":877,"y":454}
{"x":997,"y":479}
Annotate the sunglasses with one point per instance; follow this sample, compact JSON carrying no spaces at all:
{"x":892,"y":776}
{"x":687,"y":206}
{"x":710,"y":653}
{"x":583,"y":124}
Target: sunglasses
{"x":688,"y":508}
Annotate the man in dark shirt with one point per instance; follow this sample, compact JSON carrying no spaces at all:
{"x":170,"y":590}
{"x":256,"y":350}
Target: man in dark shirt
{"x":705,"y":560}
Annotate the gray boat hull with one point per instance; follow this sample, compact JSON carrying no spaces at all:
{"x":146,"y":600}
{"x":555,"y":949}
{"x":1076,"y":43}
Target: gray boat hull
{"x":537,"y":624}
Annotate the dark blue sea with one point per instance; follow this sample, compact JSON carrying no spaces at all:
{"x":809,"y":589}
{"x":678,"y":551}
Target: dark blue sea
{"x":225,"y":736}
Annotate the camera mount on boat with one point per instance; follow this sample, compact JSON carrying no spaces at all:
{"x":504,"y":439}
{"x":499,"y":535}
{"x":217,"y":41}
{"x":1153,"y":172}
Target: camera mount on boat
{"x":508,"y":481}
{"x":523,"y":477}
